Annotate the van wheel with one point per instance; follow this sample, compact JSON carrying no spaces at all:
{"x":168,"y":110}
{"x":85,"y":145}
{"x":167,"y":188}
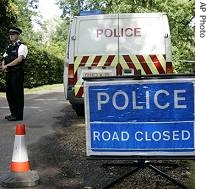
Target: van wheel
{"x":79,"y":109}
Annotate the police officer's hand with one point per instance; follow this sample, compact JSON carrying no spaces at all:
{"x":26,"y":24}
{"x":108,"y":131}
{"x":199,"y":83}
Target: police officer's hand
{"x":4,"y":68}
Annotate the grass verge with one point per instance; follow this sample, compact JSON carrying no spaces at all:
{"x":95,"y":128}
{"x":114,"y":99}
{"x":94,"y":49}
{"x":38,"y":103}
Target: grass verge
{"x":191,"y":182}
{"x":36,"y":89}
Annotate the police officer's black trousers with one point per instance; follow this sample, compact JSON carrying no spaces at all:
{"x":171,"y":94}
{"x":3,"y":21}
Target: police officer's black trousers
{"x":15,"y":92}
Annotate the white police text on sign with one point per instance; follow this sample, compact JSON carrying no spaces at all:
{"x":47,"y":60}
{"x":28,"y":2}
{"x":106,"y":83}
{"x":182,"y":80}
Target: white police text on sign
{"x":142,"y":117}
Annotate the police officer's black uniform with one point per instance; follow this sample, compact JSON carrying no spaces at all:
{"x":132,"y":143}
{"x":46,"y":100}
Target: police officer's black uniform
{"x":14,"y":83}
{"x":14,"y":79}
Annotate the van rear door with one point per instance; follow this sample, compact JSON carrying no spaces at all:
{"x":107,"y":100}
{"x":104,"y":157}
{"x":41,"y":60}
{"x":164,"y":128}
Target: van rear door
{"x":142,"y":44}
{"x":96,"y":48}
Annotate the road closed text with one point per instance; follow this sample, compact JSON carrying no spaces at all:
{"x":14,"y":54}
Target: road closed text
{"x":142,"y":136}
{"x":128,"y":136}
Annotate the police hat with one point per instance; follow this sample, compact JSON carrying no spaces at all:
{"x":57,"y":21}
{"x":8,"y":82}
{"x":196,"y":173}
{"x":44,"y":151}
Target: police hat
{"x":15,"y":30}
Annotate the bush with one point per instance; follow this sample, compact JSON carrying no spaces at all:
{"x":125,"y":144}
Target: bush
{"x":41,"y":68}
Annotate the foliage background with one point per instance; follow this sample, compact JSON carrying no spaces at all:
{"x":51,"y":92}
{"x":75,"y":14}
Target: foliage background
{"x":44,"y":63}
{"x":47,"y":46}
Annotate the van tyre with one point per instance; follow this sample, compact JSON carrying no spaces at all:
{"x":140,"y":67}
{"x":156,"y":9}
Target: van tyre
{"x":79,"y":109}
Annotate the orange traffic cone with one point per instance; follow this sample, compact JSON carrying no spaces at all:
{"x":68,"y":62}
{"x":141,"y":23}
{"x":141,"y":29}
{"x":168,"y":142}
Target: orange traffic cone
{"x":20,"y":175}
{"x":20,"y":161}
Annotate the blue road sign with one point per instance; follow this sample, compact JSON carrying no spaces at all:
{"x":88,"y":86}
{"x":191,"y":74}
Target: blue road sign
{"x":152,"y":117}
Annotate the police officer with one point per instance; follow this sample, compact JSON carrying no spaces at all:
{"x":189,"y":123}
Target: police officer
{"x":12,"y":65}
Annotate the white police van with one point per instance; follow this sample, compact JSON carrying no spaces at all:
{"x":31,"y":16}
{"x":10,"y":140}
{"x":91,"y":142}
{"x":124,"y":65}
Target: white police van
{"x":114,"y":45}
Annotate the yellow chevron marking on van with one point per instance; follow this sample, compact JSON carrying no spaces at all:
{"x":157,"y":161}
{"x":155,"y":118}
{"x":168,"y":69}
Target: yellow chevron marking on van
{"x":162,"y":60}
{"x":114,"y":61}
{"x":77,"y":62}
{"x":77,"y":86}
{"x":150,"y":64}
{"x":137,"y":64}
{"x":89,"y":61}
{"x":102,"y":60}
{"x":123,"y":63}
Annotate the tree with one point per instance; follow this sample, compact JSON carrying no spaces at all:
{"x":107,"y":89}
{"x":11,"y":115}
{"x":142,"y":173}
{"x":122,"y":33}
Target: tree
{"x":15,"y":13}
{"x":27,"y":9}
{"x":44,"y":62}
{"x":8,"y":15}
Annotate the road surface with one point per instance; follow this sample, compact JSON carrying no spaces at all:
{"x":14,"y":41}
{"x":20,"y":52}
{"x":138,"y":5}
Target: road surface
{"x":56,"y":145}
{"x":41,"y":116}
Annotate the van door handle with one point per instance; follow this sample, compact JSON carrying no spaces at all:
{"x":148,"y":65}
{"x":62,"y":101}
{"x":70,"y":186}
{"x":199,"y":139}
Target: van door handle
{"x":73,"y":37}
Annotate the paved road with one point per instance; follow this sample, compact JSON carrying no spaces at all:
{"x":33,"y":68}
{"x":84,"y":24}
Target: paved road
{"x":55,"y":138}
{"x":41,"y":115}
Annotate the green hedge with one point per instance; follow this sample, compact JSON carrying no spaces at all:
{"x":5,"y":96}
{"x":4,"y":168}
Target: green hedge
{"x":41,"y":68}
